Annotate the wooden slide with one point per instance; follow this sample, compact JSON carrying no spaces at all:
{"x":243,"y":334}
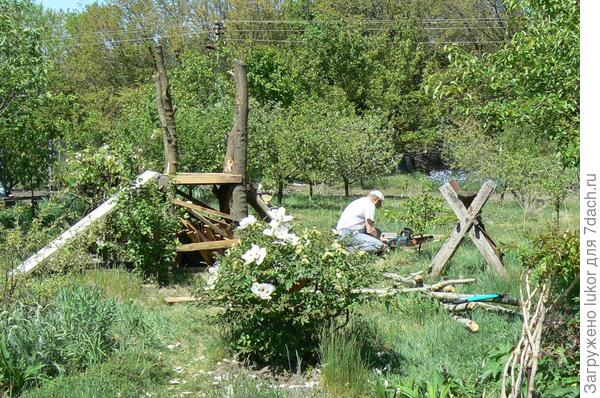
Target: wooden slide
{"x":99,"y":213}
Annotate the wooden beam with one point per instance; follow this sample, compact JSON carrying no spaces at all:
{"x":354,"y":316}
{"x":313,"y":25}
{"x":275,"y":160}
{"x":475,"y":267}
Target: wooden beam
{"x":206,"y":178}
{"x":218,"y":244}
{"x":212,"y":226}
{"x":201,"y":209}
{"x":178,"y":300}
{"x":99,"y":213}
{"x":192,"y":199}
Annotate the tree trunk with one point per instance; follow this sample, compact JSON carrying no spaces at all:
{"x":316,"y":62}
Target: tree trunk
{"x":239,"y":204}
{"x":280,"y":192}
{"x":557,"y":210}
{"x":346,"y":187}
{"x":166,"y":112}
{"x":310,"y":190}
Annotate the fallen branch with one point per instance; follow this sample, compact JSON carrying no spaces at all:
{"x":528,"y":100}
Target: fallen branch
{"x":484,"y":306}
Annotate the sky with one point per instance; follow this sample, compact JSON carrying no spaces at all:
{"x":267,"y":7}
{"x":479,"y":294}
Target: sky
{"x":65,"y":4}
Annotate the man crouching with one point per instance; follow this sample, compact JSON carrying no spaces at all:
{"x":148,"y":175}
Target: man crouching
{"x":357,"y":224}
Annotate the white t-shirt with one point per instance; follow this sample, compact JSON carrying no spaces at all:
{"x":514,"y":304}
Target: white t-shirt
{"x":356,"y":214}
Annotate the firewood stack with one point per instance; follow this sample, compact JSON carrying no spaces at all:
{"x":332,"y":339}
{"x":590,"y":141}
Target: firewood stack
{"x":445,"y":291}
{"x":205,"y":232}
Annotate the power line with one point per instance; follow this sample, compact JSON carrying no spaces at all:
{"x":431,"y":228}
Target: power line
{"x":486,"y":23}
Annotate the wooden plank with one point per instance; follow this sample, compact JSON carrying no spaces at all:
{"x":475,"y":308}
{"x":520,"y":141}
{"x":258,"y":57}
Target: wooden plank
{"x":487,"y":251}
{"x":194,"y":200}
{"x":178,"y":300}
{"x":99,"y":213}
{"x":213,"y":226}
{"x":201,"y":209}
{"x":206,"y":178}
{"x":196,"y":237}
{"x":219,"y":244}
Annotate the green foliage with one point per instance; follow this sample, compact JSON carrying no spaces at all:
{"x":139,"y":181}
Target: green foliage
{"x":530,"y":80}
{"x":28,"y":118}
{"x":554,"y":257}
{"x":276,"y":292}
{"x":533,"y":176}
{"x":16,"y":374}
{"x":424,"y":211}
{"x":269,"y":79}
{"x":69,"y":334}
{"x":142,"y":233}
{"x":419,"y":212}
{"x":96,"y":174}
{"x":127,"y":374}
{"x":436,"y":386}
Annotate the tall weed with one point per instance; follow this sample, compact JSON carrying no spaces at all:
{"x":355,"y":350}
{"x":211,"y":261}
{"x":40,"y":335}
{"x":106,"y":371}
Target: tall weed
{"x":68,"y":334}
{"x":345,"y":366}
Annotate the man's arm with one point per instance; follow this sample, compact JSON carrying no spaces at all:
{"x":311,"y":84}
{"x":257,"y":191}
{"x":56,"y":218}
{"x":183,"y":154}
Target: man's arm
{"x":370,"y":228}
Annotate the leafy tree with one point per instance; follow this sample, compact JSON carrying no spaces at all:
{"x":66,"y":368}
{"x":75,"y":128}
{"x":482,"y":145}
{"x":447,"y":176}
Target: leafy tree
{"x":534,"y":178}
{"x":531,"y":80}
{"x":269,"y":78}
{"x":361,"y":148}
{"x":26,"y":128}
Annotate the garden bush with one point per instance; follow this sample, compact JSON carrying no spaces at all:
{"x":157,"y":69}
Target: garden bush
{"x":420,"y":213}
{"x":277,"y":290}
{"x":141,"y":233}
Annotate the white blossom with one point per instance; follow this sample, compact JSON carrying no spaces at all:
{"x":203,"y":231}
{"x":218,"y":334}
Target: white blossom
{"x":246,"y":222}
{"x":255,"y":254}
{"x":287,"y":237}
{"x":212,"y":277}
{"x":262,"y":290}
{"x":280,"y":216}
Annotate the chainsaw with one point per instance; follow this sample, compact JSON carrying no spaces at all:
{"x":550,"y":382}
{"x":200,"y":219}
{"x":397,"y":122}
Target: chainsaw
{"x":406,"y":238}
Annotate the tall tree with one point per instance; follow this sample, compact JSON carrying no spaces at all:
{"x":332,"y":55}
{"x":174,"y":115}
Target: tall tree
{"x":26,"y":131}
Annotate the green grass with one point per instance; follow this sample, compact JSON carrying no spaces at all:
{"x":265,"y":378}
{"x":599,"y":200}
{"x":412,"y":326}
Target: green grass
{"x":172,"y":351}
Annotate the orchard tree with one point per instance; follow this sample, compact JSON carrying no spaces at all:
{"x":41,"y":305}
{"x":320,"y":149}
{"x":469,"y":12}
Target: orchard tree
{"x":361,"y":147}
{"x":533,"y":176}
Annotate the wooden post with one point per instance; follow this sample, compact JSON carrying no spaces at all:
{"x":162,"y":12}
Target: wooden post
{"x":166,"y":112}
{"x":239,"y":204}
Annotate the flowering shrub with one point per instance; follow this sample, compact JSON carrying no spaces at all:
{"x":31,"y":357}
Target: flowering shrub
{"x":277,"y":289}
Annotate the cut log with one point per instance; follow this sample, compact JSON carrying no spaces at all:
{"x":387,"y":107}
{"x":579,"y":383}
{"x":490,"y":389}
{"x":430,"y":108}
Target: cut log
{"x":460,"y":307}
{"x":206,"y":178}
{"x":468,"y":323}
{"x":485,"y":306}
{"x":508,"y":300}
{"x":219,"y":244}
{"x":99,"y":213}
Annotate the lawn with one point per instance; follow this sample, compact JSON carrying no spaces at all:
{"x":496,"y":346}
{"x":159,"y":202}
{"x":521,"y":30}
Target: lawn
{"x":168,"y":351}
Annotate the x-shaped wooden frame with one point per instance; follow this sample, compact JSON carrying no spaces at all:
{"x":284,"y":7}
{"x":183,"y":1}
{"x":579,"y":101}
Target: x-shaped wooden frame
{"x":467,"y":224}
